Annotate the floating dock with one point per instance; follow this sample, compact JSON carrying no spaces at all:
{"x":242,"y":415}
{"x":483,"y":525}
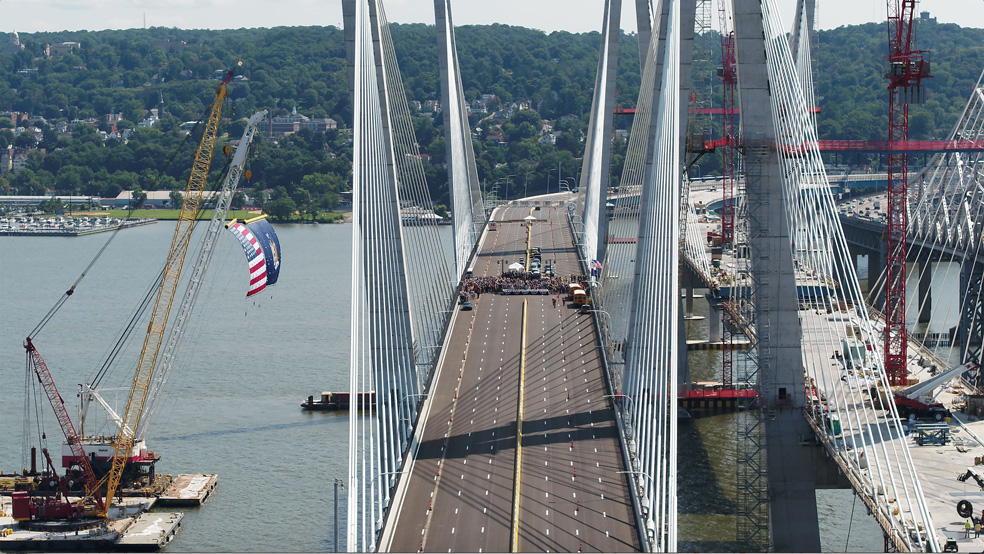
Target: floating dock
{"x":149,"y":532}
{"x":189,"y":489}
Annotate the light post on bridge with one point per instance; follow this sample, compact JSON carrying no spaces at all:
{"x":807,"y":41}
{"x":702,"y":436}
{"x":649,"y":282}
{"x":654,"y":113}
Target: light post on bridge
{"x":548,"y":178}
{"x":650,"y":531}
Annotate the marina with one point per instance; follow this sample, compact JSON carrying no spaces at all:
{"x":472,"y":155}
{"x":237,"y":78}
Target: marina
{"x":66,"y":226}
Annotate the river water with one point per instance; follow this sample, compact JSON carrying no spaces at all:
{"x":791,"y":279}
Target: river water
{"x":232,"y":402}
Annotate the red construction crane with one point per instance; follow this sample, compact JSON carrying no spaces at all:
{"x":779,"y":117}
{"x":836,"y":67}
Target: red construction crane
{"x":729,"y":142}
{"x":907,"y":69}
{"x":730,"y":80}
{"x":73,"y":439}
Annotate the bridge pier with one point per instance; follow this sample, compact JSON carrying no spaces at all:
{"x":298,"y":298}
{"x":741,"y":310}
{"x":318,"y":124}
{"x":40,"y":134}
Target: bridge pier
{"x":969,"y":330}
{"x":713,"y":320}
{"x":926,"y":268}
{"x":791,"y":500}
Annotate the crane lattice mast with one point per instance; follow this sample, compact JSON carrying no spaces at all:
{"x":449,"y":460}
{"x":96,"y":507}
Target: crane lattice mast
{"x":165,"y":294}
{"x":907,"y":69}
{"x":729,"y":169}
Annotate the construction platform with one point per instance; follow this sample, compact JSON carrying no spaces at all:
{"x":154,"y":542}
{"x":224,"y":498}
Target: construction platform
{"x":149,"y":532}
{"x":713,"y":396}
{"x":188,"y":489}
{"x":130,"y":527}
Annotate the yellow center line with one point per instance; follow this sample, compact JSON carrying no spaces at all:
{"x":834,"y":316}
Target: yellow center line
{"x":514,"y":540}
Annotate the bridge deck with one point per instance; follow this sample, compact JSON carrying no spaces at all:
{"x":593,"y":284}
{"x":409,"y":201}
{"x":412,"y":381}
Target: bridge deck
{"x":459,"y":494}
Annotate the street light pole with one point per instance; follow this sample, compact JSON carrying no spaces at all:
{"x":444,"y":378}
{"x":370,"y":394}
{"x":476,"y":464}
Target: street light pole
{"x":548,"y":179}
{"x":338,"y":482}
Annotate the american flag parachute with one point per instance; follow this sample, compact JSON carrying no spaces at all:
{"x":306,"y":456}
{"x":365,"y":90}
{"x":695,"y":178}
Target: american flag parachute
{"x":262,"y":248}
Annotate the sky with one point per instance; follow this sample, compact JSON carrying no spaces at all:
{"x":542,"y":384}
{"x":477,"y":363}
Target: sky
{"x":547,"y":15}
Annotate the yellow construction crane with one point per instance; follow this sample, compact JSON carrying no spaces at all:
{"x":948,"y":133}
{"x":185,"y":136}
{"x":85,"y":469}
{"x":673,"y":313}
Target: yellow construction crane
{"x":165,"y":296}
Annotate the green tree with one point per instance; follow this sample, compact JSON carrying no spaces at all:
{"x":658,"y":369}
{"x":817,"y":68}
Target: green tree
{"x":330,"y":201}
{"x":51,"y":205}
{"x":177,"y":198}
{"x":25,"y":140}
{"x":238,"y":200}
{"x":139,"y":197}
{"x":280,"y":205}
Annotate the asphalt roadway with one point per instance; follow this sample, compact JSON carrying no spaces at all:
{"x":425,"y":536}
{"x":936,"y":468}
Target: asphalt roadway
{"x":460,"y":492}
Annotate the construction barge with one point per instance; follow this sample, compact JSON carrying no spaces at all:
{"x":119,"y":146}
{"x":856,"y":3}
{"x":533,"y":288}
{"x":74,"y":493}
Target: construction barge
{"x":340,"y":401}
{"x":129,"y":527}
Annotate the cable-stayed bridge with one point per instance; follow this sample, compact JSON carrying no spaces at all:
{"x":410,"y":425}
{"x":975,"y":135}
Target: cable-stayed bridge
{"x":506,"y":419}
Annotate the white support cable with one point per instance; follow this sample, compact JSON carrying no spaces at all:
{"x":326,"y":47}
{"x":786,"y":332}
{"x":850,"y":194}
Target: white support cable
{"x":389,"y":316}
{"x":652,"y":339}
{"x":814,"y":220}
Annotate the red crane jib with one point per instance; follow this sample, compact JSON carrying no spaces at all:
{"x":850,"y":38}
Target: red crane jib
{"x":61,"y":413}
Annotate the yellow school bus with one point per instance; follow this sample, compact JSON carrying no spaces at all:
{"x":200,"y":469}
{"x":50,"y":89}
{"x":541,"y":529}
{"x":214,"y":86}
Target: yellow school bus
{"x":580,"y":296}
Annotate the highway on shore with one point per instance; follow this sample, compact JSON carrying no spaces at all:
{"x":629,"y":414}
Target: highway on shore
{"x":460,"y":493}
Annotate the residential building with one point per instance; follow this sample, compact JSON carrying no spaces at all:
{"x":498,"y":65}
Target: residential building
{"x":6,"y":159}
{"x":19,"y":162}
{"x":432,"y":106}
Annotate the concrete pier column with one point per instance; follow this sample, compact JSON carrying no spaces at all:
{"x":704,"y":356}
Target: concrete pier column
{"x":876,"y":264}
{"x":713,"y":320}
{"x":688,"y":305}
{"x":969,"y":327}
{"x":926,"y":268}
{"x":793,"y":520}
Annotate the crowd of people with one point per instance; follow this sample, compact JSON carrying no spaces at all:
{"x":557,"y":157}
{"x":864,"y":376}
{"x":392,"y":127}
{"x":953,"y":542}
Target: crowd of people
{"x":520,"y":282}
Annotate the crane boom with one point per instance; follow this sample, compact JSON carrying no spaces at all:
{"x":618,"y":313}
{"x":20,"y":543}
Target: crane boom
{"x":224,"y":199}
{"x":165,"y":295}
{"x":61,"y":413}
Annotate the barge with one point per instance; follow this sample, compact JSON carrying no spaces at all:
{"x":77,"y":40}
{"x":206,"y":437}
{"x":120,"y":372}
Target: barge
{"x":340,"y":401}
